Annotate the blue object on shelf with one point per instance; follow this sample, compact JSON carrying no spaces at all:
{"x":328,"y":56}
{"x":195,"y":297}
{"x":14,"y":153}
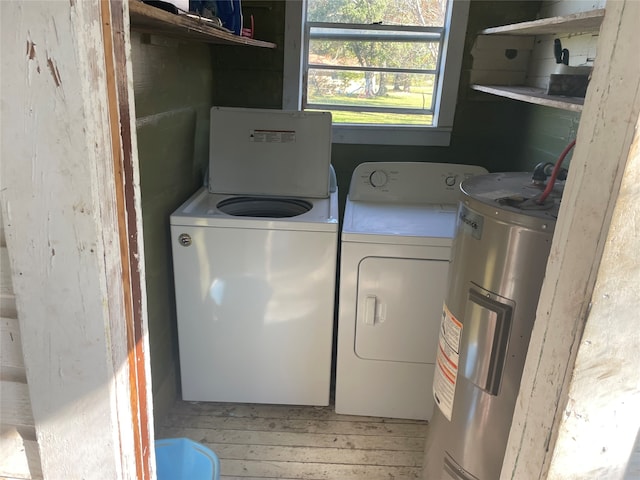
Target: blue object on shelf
{"x":184,"y":459}
{"x":230,"y":12}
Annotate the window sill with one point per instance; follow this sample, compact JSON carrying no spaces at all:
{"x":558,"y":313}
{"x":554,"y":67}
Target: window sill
{"x":385,"y":135}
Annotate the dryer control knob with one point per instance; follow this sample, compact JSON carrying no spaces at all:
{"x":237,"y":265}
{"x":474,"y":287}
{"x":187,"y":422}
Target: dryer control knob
{"x":450,"y":181}
{"x":378,"y":178}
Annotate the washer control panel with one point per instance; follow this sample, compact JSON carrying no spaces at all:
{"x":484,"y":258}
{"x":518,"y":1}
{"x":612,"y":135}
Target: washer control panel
{"x":411,"y":182}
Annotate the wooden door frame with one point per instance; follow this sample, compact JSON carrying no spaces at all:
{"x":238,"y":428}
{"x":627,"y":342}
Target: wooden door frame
{"x":71,"y":205}
{"x":566,"y":409}
{"x":117,"y":50}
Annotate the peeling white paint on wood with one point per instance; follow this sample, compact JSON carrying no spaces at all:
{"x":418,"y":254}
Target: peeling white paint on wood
{"x":10,"y":345}
{"x":547,"y":393}
{"x":61,"y":229}
{"x":602,"y":416}
{"x":117,"y":41}
{"x":7,"y":299}
{"x":6,"y":286}
{"x":19,"y":456}
{"x":16,"y":406}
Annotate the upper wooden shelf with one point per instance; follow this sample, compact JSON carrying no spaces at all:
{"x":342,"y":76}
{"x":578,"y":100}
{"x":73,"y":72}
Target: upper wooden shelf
{"x":148,"y":19}
{"x":583,"y":22}
{"x":575,"y":23}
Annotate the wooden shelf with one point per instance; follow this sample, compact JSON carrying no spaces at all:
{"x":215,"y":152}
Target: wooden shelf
{"x":583,"y":22}
{"x":575,"y":23}
{"x":148,"y":19}
{"x":532,"y":95}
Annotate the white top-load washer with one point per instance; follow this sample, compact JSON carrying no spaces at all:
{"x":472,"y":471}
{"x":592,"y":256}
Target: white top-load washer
{"x":397,"y":233}
{"x":254,"y":260}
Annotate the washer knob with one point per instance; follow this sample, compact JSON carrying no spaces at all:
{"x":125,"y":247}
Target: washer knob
{"x":450,"y":181}
{"x":184,"y":239}
{"x":378,"y":178}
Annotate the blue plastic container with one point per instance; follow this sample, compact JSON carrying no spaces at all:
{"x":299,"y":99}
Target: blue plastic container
{"x":184,"y":459}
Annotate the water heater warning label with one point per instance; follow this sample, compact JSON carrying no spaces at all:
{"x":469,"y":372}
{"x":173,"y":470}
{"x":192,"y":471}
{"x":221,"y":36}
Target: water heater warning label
{"x":272,"y":136}
{"x":444,"y":382}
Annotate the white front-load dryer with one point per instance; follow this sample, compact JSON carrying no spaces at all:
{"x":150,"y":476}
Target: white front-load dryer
{"x":396,"y":244}
{"x":254,"y":260}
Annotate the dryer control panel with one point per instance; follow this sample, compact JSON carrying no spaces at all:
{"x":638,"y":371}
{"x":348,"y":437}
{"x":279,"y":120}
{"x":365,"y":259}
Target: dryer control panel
{"x":410,"y":182}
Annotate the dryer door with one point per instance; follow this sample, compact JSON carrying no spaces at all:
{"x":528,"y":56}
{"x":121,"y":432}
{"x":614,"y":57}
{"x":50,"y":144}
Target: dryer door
{"x":398,"y":308}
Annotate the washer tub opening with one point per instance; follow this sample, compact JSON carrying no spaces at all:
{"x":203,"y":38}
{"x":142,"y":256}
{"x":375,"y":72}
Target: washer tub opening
{"x":264,"y":207}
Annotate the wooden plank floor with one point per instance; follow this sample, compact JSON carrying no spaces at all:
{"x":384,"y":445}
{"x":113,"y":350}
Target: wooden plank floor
{"x":299,"y":443}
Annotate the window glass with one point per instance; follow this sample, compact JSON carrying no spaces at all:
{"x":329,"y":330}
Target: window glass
{"x":374,"y":61}
{"x":378,"y":66}
{"x":426,"y":13}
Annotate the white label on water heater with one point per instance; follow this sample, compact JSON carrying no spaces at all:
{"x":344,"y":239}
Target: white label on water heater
{"x":272,"y":136}
{"x":444,"y":382}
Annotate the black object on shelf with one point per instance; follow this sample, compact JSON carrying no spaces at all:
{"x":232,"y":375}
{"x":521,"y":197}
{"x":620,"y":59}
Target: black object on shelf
{"x":166,"y":6}
{"x":568,"y":85}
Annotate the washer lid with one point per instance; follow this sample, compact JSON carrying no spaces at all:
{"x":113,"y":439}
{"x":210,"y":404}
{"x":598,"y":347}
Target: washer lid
{"x":269,"y":152}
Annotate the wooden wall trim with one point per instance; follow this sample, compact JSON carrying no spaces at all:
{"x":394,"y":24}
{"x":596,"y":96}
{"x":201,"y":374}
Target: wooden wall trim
{"x":600,"y":422}
{"x":18,"y":449}
{"x":63,"y":237}
{"x":604,"y":139}
{"x":115,"y":22}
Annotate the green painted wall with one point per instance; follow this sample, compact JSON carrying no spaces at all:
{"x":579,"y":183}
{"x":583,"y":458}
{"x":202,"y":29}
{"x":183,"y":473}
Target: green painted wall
{"x":547,"y":132}
{"x":252,"y":77}
{"x":173,"y":94}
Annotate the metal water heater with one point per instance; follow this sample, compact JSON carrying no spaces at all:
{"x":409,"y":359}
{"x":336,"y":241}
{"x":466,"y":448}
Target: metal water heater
{"x":499,"y":257}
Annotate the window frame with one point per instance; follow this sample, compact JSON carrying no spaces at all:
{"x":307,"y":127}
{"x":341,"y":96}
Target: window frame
{"x":447,"y":82}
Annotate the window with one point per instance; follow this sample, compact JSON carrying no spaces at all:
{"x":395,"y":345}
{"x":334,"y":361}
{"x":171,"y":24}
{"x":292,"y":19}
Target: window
{"x":388,"y":70}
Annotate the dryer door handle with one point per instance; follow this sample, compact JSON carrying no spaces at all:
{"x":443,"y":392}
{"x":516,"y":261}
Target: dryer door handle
{"x":370,"y":307}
